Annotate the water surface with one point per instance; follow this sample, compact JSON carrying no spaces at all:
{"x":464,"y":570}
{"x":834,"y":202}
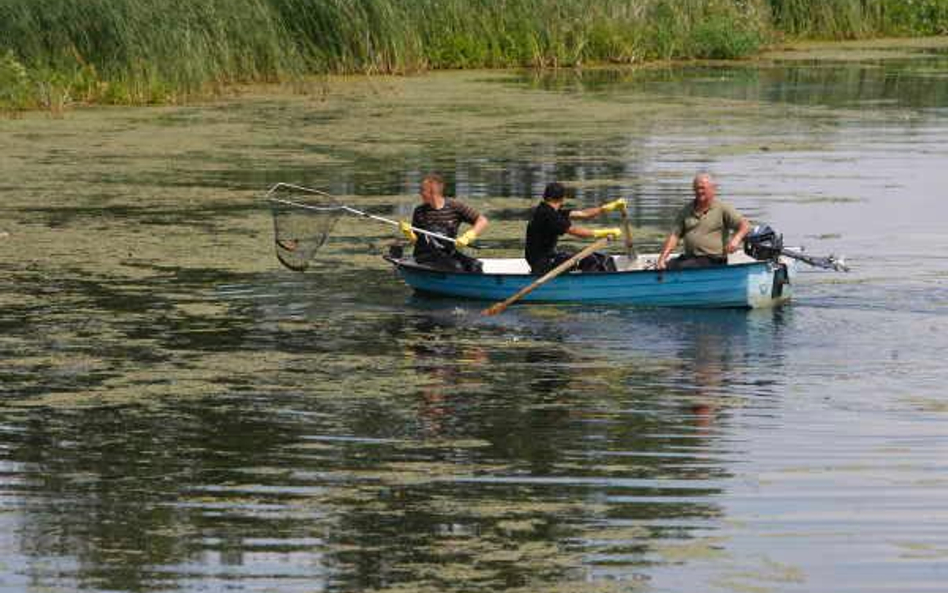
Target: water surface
{"x":178,"y":413}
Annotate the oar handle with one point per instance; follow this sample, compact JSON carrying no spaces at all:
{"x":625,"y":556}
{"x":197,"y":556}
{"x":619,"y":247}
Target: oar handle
{"x":627,"y":234}
{"x":566,"y":265}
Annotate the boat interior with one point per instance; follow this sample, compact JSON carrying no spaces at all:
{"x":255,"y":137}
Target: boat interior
{"x":622,"y":262}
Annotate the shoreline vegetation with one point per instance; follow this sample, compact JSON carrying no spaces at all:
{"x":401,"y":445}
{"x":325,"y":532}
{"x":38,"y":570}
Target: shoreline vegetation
{"x":135,"y":52}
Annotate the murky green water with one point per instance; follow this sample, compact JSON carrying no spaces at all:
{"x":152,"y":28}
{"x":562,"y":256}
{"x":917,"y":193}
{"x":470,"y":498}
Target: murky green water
{"x":179,"y":413}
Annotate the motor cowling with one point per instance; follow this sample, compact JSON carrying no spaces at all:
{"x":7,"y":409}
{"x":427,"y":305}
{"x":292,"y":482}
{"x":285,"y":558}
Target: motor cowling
{"x":763,"y":243}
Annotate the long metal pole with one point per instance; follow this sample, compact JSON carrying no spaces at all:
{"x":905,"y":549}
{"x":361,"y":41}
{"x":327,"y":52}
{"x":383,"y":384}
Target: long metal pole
{"x":344,"y":207}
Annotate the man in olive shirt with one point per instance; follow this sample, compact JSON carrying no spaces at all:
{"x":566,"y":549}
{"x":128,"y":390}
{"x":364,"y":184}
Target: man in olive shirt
{"x":706,"y":225}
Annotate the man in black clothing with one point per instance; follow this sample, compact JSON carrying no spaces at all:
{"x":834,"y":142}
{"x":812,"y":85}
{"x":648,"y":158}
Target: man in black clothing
{"x":442,"y":215}
{"x":550,"y":221}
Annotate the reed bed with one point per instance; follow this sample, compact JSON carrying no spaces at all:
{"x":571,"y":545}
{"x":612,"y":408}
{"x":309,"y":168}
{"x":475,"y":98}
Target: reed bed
{"x":56,"y":52}
{"x":851,"y":19}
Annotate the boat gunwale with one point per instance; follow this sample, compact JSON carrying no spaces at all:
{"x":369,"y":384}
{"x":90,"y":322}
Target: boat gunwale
{"x":412,"y":265}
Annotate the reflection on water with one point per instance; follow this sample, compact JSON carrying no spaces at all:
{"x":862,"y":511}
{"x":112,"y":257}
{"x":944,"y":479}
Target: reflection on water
{"x":178,"y":413}
{"x":512,"y":459}
{"x":916,"y":82}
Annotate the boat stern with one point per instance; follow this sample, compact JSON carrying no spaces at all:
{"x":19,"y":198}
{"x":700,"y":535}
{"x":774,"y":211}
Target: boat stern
{"x":770,"y":285}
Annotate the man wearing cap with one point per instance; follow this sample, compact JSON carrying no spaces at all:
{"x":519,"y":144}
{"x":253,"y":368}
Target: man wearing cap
{"x":551,"y":220}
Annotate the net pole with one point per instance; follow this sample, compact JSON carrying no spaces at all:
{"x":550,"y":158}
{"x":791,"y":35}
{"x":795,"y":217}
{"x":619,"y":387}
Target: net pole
{"x":357,"y":212}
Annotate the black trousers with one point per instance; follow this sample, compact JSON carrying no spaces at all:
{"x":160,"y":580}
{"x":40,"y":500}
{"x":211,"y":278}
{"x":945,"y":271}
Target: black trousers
{"x":450,"y":261}
{"x":688,"y":262}
{"x":594,"y":262}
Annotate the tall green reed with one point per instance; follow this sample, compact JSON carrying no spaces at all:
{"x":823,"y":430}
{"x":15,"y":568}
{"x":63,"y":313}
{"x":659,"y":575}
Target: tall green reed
{"x":845,"y":19}
{"x":139,"y":51}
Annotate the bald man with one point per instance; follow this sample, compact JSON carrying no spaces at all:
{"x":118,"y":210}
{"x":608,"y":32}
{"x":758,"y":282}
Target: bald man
{"x":711,"y":229}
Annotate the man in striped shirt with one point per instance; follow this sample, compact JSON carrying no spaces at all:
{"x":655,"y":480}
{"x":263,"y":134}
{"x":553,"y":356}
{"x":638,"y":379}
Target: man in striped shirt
{"x":442,"y":215}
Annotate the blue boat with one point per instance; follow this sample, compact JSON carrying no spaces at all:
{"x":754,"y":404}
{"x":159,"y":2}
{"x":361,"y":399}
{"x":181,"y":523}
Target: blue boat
{"x":744,"y":282}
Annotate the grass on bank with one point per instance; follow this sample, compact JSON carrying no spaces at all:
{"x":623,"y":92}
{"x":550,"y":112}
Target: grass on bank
{"x":855,"y":19}
{"x":57,"y":52}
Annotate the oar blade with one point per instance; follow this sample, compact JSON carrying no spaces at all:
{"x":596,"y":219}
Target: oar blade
{"x":495,"y":309}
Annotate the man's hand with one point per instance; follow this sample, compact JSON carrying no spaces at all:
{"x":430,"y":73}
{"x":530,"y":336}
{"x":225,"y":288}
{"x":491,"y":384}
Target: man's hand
{"x":612,"y":233}
{"x":661,"y":264}
{"x":733,"y":245}
{"x":466,"y":239}
{"x":405,"y":228}
{"x":614,"y":205}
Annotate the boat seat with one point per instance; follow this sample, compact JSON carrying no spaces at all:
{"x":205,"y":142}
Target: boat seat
{"x":505,"y":266}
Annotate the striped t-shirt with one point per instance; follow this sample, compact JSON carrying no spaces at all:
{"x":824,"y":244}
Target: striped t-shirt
{"x":444,"y":221}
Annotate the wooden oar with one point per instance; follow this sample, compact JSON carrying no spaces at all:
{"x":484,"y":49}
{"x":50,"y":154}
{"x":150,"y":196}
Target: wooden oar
{"x":501,"y":306}
{"x":627,"y":233}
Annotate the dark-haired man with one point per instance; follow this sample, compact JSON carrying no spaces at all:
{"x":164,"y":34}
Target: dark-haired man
{"x":551,"y":220}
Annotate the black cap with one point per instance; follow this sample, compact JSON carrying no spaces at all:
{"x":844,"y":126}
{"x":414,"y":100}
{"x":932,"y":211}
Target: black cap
{"x":554,"y":191}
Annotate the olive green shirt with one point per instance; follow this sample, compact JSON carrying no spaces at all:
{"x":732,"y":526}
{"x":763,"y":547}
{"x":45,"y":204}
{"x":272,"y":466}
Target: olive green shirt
{"x":708,"y":233}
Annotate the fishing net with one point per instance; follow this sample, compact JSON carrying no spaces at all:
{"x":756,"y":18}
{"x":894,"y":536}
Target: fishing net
{"x":302,"y":221}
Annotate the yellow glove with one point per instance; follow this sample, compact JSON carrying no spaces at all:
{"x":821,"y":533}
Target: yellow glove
{"x":466,"y":239}
{"x":405,"y":228}
{"x":611,"y":233}
{"x":614,"y":205}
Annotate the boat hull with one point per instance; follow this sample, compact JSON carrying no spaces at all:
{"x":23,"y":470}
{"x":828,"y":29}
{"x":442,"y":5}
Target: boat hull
{"x":744,"y":285}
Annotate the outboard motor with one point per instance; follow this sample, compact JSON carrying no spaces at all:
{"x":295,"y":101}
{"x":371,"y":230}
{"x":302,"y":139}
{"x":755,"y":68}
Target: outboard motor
{"x":763,"y":243}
